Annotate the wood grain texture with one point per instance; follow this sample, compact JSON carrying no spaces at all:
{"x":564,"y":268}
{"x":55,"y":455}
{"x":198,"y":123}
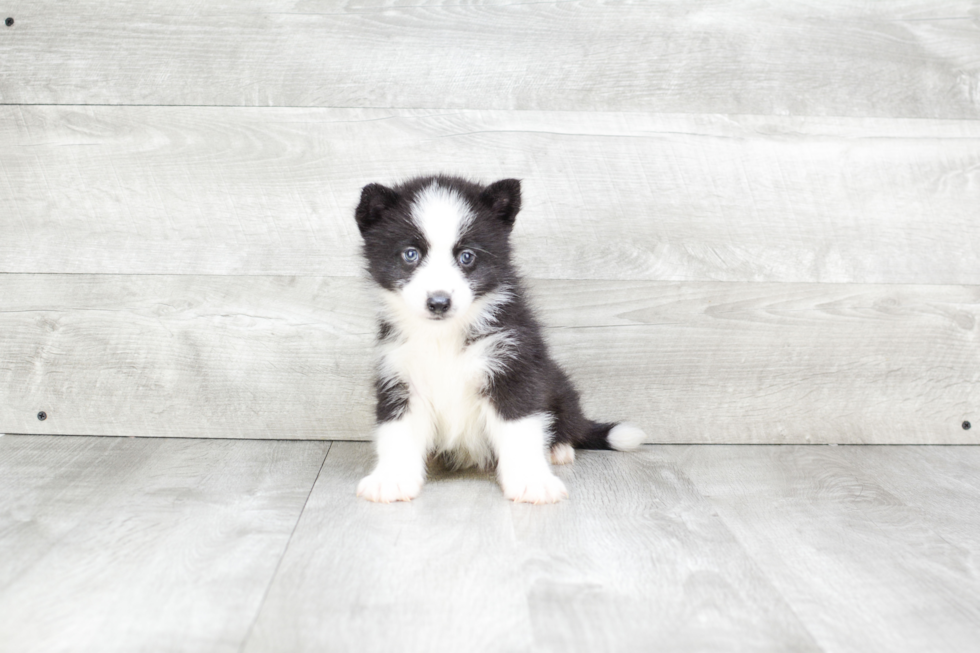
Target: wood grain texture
{"x":462,"y":569}
{"x":123,"y":544}
{"x":914,"y":59}
{"x":239,"y":357}
{"x":773,"y":363}
{"x":638,"y":560}
{"x":110,"y":544}
{"x":278,"y":357}
{"x":151,"y":190}
{"x":442,"y":573}
{"x":863,"y":569}
{"x":946,"y":502}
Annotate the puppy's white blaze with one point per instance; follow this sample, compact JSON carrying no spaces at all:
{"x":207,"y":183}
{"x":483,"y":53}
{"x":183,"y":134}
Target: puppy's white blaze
{"x":442,"y":216}
{"x":437,"y":273}
{"x":522,"y":467}
{"x":624,"y":437}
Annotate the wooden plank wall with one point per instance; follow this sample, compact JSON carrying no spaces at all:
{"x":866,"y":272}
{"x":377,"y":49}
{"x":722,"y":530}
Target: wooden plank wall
{"x":743,"y":222}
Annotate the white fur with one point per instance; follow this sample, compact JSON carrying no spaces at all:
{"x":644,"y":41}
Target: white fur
{"x":448,"y":414}
{"x":522,"y":468}
{"x":624,"y":437}
{"x":446,"y":378}
{"x":441,"y":215}
{"x":401,"y":447}
{"x":562,"y":454}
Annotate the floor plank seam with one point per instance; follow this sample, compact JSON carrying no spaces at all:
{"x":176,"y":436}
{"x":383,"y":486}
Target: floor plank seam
{"x":275,"y":572}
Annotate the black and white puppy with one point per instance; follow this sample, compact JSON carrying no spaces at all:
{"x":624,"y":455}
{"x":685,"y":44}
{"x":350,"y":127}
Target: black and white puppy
{"x":463,"y":371}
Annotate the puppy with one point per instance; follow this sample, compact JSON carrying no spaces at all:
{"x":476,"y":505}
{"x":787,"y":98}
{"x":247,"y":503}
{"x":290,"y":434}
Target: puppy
{"x":463,"y":371}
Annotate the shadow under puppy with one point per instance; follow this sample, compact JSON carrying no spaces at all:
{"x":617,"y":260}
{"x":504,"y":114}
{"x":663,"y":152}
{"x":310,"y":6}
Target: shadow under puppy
{"x":463,"y":371}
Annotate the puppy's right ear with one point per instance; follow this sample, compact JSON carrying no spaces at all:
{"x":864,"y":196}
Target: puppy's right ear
{"x":375,"y":201}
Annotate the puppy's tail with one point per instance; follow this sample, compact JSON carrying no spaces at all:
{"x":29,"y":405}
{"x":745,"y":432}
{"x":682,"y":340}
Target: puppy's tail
{"x":610,"y":435}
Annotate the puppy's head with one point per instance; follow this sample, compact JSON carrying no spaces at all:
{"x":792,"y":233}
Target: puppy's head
{"x":437,"y":244}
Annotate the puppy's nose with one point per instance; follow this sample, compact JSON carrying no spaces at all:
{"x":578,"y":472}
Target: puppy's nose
{"x":438,"y":303}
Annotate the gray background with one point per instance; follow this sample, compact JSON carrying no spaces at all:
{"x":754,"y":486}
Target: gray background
{"x":743,"y":222}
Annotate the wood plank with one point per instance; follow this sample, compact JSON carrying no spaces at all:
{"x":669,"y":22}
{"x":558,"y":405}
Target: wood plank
{"x":441,"y":573}
{"x":51,"y":485}
{"x":116,"y":544}
{"x":158,"y":190}
{"x":774,"y":363}
{"x":276,"y":357}
{"x":123,"y":544}
{"x":238,"y":357}
{"x":628,"y":561}
{"x":914,"y":59}
{"x":637,"y":559}
{"x":861,"y":569}
{"x":945,"y":491}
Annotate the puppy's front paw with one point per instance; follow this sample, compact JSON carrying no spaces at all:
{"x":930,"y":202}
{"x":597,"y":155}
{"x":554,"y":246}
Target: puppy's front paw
{"x":539,"y":488}
{"x":385,"y":488}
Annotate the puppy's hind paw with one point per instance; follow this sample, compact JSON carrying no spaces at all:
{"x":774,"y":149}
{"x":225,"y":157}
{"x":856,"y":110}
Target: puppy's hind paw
{"x":384,"y":488}
{"x":562,"y":454}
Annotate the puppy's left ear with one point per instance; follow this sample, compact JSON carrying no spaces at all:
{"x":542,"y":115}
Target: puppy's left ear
{"x":503,"y":198}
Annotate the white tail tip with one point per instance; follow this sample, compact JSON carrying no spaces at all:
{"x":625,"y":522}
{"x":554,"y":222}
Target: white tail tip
{"x":624,"y":437}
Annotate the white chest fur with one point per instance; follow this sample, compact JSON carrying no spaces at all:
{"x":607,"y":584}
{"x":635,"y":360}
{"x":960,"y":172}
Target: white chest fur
{"x":445,"y":379}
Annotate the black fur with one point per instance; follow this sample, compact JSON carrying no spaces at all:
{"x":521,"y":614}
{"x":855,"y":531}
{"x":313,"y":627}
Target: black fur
{"x":392,"y":400}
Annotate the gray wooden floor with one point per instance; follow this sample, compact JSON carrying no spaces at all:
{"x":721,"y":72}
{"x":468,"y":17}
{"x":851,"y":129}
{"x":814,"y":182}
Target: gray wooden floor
{"x":158,"y":544}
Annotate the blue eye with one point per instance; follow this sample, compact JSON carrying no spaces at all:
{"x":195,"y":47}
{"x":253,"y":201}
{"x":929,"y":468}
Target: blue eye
{"x":410,"y":256}
{"x":466,"y":258}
